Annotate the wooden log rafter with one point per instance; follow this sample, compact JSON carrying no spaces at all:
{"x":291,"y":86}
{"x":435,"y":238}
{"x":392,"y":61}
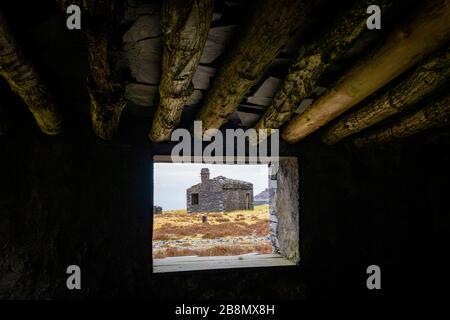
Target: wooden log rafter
{"x":267,"y":32}
{"x":25,"y":81}
{"x":406,"y":45}
{"x":185,"y":26}
{"x":107,"y":97}
{"x":426,"y":78}
{"x":436,"y":114}
{"x":313,"y":60}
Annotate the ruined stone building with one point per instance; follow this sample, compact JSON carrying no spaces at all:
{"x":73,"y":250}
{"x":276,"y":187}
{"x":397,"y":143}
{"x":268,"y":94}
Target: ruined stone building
{"x":219,"y":194}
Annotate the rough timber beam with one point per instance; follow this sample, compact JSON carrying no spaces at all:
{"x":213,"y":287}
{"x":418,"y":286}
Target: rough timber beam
{"x":25,"y":82}
{"x":268,"y":31}
{"x":426,"y":78}
{"x":107,"y":97}
{"x":185,"y":26}
{"x":436,"y":114}
{"x":313,"y":60}
{"x":422,"y":34}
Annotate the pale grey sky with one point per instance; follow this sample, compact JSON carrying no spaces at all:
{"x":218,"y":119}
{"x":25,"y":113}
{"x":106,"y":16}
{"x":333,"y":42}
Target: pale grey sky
{"x":172,"y":179}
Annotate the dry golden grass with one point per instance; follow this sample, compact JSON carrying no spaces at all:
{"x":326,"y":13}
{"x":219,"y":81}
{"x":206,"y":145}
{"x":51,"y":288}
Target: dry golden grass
{"x":173,"y":225}
{"x":181,"y":211}
{"x":217,"y":250}
{"x":177,"y":225}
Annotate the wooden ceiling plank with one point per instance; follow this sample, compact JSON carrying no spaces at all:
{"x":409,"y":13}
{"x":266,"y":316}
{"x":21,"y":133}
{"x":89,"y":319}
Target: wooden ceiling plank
{"x":313,"y":60}
{"x":268,"y":31}
{"x":434,"y":115}
{"x":406,"y":45}
{"x":425,"y":79}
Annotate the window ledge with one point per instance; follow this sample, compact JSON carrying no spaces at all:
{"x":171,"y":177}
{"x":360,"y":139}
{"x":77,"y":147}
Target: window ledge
{"x":193,"y":263}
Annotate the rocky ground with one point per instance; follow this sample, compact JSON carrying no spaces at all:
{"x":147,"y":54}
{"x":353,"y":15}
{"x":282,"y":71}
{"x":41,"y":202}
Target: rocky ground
{"x":196,"y":243}
{"x":177,"y":233}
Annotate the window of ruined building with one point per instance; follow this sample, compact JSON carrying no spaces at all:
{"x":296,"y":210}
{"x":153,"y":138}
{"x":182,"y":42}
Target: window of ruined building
{"x":219,"y":227}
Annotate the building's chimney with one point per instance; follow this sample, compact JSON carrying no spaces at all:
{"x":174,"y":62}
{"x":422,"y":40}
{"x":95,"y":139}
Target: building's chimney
{"x":204,"y":173}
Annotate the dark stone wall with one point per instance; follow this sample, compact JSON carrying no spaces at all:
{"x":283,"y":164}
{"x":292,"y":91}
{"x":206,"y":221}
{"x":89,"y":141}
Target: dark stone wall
{"x":73,"y":200}
{"x":284,"y":208}
{"x":213,"y":197}
{"x":387,"y":206}
{"x":76,"y":200}
{"x":210,"y":197}
{"x":235,"y":199}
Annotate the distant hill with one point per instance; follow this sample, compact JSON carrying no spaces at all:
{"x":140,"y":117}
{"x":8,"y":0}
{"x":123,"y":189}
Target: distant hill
{"x":261,"y":198}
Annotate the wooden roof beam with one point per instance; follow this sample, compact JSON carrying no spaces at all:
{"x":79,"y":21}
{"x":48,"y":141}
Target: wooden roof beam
{"x":406,"y":45}
{"x":436,"y":114}
{"x":185,"y":26}
{"x":313,"y":60}
{"x":426,"y":78}
{"x":266,"y":33}
{"x":107,"y":97}
{"x":25,"y":81}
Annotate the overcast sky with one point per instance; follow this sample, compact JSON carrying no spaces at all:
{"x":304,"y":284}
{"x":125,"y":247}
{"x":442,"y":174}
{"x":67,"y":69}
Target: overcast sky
{"x":172,"y":179}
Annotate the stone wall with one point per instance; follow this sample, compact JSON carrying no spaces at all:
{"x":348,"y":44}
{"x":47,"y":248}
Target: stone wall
{"x":287,"y":206}
{"x":214,"y":197}
{"x":210,"y":197}
{"x":284,"y":208}
{"x":235,"y":199}
{"x":273,"y":216}
{"x":74,"y":199}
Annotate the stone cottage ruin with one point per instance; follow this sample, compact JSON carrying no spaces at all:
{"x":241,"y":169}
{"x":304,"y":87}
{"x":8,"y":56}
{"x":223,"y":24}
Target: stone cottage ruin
{"x":219,"y":194}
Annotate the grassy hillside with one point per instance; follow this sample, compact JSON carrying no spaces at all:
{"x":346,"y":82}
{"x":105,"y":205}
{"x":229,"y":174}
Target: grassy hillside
{"x":177,"y":233}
